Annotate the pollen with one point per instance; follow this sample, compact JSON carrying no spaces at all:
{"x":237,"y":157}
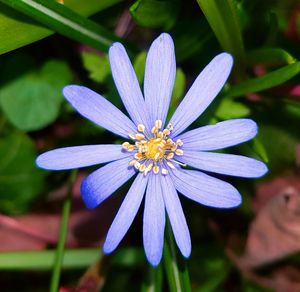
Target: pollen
{"x":156,"y":153}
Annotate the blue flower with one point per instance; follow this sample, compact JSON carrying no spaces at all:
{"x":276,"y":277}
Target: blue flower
{"x":154,"y":152}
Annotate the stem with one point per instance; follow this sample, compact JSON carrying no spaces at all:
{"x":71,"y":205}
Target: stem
{"x":62,"y":235}
{"x":176,"y":269}
{"x":153,"y":282}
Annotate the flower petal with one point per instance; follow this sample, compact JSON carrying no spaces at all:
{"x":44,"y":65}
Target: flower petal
{"x":205,"y":189}
{"x":176,"y":216}
{"x":127,"y":84}
{"x":96,"y":108}
{"x":101,"y":183}
{"x":126,"y":213}
{"x":80,"y":156}
{"x":220,"y":135}
{"x":154,"y":221}
{"x":205,"y":88}
{"x":229,"y":164}
{"x":159,"y":79}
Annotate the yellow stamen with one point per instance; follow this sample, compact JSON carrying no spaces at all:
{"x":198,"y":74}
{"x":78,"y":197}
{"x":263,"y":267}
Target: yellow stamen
{"x":139,"y":137}
{"x":170,"y":155}
{"x":131,"y":136}
{"x":125,"y":145}
{"x":179,"y":152}
{"x":142,"y":168}
{"x":138,"y":156}
{"x":137,"y":165}
{"x":156,"y":169}
{"x":141,"y":128}
{"x":179,"y":142}
{"x":152,"y":152}
{"x":164,"y":171}
{"x":158,"y":124}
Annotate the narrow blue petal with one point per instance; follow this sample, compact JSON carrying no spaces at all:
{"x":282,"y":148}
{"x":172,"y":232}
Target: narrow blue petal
{"x":80,"y":156}
{"x":159,"y":79}
{"x":97,"y":109}
{"x":205,"y":189}
{"x":229,"y":164}
{"x":126,"y":213}
{"x":220,"y":135}
{"x":176,"y":216}
{"x":101,"y":183}
{"x":127,"y":84}
{"x":154,"y":221}
{"x":205,"y":88}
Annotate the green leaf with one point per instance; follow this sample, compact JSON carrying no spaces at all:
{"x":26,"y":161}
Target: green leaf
{"x":194,"y":38}
{"x":155,"y":13}
{"x":266,"y":81}
{"x":20,"y":180}
{"x":224,"y":20}
{"x":280,"y":146}
{"x":231,"y":109}
{"x":56,"y":17}
{"x":259,"y":148}
{"x":139,"y":66}
{"x":179,"y":86}
{"x":269,"y":56}
{"x":43,"y":260}
{"x":178,"y":91}
{"x":32,"y":100}
{"x":97,"y":65}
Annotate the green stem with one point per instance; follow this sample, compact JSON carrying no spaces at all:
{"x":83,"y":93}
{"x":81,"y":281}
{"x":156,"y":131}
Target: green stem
{"x":176,"y":269}
{"x":62,"y":235}
{"x":153,"y":281}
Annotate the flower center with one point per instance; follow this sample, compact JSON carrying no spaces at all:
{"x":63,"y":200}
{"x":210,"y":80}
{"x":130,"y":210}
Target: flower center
{"x":153,"y":153}
{"x":155,"y":149}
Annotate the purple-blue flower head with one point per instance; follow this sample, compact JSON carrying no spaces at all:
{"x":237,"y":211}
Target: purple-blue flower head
{"x":156,"y":153}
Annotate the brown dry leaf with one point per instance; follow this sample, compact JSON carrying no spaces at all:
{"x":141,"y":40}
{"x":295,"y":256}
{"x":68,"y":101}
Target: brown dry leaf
{"x":275,"y":232}
{"x":37,"y":230}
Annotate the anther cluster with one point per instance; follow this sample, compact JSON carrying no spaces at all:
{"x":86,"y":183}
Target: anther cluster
{"x":156,"y":152}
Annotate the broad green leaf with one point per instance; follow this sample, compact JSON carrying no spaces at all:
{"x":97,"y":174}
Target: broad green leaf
{"x":43,"y":260}
{"x":32,"y":100}
{"x":224,"y":20}
{"x":26,"y":31}
{"x":266,"y":81}
{"x":20,"y":180}
{"x":269,"y":56}
{"x":231,"y":109}
{"x":155,"y":13}
{"x":139,"y":66}
{"x":65,"y":21}
{"x":97,"y":65}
